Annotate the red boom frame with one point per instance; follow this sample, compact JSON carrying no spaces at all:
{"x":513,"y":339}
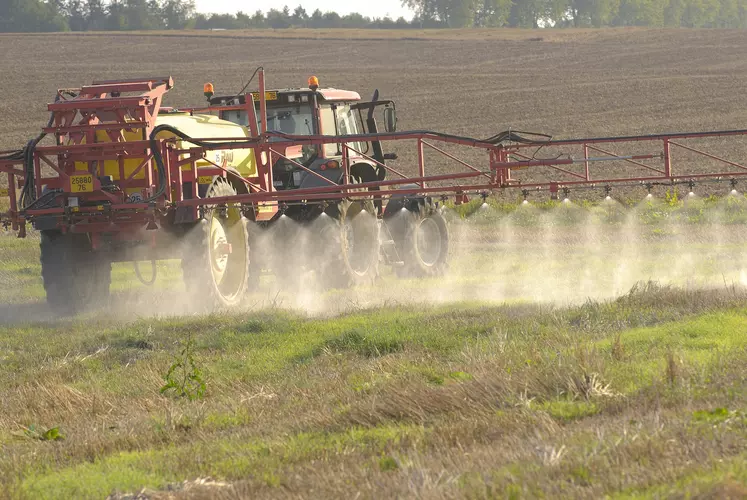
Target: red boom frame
{"x":100,"y":107}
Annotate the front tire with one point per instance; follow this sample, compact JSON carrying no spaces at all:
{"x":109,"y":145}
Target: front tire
{"x":215,"y":263}
{"x":350,"y":246}
{"x":423,"y":243}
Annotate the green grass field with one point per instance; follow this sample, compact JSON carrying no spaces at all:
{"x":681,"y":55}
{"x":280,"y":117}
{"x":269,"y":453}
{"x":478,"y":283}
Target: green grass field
{"x":440,"y":396}
{"x":642,"y":396}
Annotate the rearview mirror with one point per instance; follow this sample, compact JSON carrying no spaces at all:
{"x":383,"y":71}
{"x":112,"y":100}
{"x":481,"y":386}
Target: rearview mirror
{"x":390,"y":119}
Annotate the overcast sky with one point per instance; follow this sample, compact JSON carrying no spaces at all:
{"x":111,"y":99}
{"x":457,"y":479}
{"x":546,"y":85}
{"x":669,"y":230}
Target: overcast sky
{"x":377,"y":8}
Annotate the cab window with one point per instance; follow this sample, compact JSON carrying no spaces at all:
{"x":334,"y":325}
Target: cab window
{"x":346,"y":125}
{"x":288,"y":119}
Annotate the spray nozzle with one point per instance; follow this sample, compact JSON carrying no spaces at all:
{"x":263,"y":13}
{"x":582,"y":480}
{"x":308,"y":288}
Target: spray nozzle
{"x":484,"y":196}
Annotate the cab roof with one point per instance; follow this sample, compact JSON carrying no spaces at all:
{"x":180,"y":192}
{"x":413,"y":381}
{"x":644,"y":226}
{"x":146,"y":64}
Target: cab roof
{"x":327,"y":94}
{"x":339,"y":95}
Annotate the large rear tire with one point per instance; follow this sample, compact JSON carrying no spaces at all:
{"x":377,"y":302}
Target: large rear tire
{"x":350,"y":246}
{"x":423,"y":243}
{"x":74,"y":276}
{"x":215,"y":263}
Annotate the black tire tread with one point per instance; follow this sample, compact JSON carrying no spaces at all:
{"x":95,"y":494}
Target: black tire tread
{"x":336,"y":270}
{"x":413,"y":266}
{"x":74,"y":276}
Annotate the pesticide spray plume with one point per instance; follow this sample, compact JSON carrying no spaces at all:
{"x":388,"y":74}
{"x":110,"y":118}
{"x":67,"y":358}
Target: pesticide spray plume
{"x":564,"y":254}
{"x":557,"y":252}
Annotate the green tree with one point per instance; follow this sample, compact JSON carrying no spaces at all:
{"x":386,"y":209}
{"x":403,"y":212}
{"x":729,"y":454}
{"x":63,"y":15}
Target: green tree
{"x":258,"y":20}
{"x":279,"y":19}
{"x":425,"y":10}
{"x":116,"y":17}
{"x":673,"y":12}
{"x":331,"y":20}
{"x":32,"y":16}
{"x":700,"y":13}
{"x":300,"y":17}
{"x":452,"y":13}
{"x":459,"y":13}
{"x":354,"y":20}
{"x":729,"y":14}
{"x":527,"y":13}
{"x":492,"y":13}
{"x":177,"y":13}
{"x":317,"y":19}
{"x":559,"y":13}
{"x":136,"y":15}
{"x":582,"y":12}
{"x":642,"y":13}
{"x":401,"y":23}
{"x":76,"y":15}
{"x":95,"y":15}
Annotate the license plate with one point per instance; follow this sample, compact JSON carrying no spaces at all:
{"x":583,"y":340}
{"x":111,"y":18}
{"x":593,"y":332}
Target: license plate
{"x":269,"y":96}
{"x":82,"y":183}
{"x":205,"y":179}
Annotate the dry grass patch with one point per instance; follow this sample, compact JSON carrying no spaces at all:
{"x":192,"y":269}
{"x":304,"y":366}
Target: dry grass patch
{"x":473,"y":402}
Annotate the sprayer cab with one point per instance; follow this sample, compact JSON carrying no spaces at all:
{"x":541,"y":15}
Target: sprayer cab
{"x":302,"y":112}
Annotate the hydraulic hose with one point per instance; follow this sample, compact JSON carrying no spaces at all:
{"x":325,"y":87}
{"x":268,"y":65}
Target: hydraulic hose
{"x":156,"y":150}
{"x":507,"y":136}
{"x":518,"y":137}
{"x":28,"y":192}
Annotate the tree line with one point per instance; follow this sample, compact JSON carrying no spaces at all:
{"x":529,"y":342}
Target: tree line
{"x":124,"y":15}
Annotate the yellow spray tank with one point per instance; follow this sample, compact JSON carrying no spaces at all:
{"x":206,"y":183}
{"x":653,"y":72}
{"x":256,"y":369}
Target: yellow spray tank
{"x":198,"y":126}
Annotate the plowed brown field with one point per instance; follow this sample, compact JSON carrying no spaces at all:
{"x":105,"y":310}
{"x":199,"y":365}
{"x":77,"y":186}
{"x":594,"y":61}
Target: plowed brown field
{"x":476,"y":83}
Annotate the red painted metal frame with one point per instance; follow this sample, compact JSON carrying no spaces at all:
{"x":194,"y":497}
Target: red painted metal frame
{"x":100,"y":107}
{"x":664,"y":174}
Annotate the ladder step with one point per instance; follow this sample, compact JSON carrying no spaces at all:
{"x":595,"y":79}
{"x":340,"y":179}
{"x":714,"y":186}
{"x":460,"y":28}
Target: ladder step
{"x":106,"y":103}
{"x":157,"y":80}
{"x":117,"y":87}
{"x":98,"y":126}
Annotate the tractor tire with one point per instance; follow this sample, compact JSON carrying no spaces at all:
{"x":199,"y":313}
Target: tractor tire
{"x":215,"y":260}
{"x":75,"y":277}
{"x":349,"y":246}
{"x":423,"y":244}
